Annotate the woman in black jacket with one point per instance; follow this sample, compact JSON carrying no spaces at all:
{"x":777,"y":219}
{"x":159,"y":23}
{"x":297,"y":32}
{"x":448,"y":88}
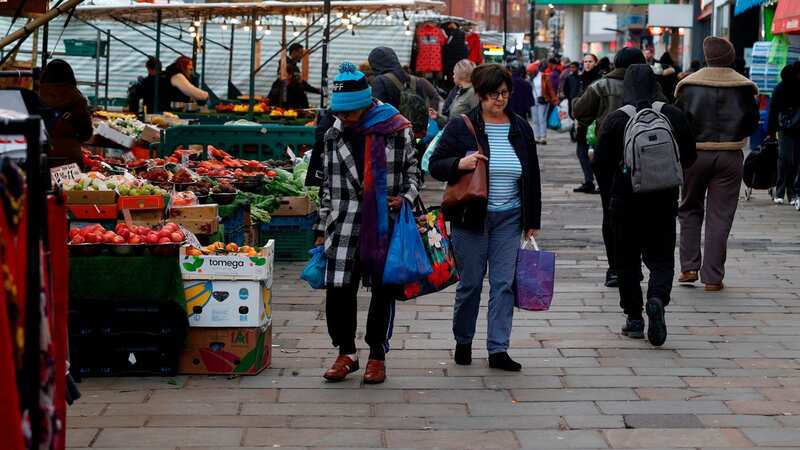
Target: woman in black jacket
{"x":489,"y":232}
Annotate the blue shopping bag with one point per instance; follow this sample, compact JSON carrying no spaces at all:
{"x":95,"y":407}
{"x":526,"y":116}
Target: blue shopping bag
{"x":407,"y":261}
{"x":314,"y":273}
{"x":554,"y":122}
{"x":535,"y":277}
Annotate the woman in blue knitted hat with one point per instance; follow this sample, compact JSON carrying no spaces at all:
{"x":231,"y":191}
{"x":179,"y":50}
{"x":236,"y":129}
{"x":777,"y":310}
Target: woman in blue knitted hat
{"x":370,"y":168}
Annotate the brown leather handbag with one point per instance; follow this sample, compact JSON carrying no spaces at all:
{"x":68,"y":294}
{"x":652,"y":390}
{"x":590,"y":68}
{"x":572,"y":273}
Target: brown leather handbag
{"x":472,"y":186}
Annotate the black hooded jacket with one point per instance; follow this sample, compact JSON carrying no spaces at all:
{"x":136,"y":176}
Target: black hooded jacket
{"x":786,"y":96}
{"x":640,"y":90}
{"x":383,"y":61}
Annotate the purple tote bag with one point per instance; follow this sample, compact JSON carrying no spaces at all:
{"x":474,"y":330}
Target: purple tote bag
{"x":536,"y":273}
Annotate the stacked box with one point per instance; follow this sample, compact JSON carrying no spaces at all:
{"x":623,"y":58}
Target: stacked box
{"x":229,"y":308}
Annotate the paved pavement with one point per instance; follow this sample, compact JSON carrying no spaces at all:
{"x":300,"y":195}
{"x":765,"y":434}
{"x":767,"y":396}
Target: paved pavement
{"x":728,"y":376}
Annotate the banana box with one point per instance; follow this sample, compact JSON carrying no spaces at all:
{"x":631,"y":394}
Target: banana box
{"x":219,"y":303}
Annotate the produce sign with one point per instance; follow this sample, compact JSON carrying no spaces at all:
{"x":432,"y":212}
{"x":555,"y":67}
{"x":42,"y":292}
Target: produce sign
{"x":223,"y":351}
{"x":228,"y":262}
{"x":218,"y":303}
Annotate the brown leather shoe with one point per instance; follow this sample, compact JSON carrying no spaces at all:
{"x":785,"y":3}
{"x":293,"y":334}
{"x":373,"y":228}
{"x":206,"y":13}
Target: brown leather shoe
{"x":341,"y":368}
{"x":714,"y":287}
{"x":375,"y":372}
{"x":688,"y":277}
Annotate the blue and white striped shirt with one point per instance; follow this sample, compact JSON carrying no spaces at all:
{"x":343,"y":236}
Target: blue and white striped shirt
{"x":504,"y":170}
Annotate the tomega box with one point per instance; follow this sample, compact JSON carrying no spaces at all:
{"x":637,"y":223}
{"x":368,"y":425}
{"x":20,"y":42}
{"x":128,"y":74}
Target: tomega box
{"x":218,"y":303}
{"x":221,"y":351}
{"x":229,"y":267}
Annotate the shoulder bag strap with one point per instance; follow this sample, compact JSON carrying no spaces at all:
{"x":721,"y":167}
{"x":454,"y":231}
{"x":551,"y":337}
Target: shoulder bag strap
{"x":471,"y":129}
{"x":396,"y":81}
{"x":413,"y":84}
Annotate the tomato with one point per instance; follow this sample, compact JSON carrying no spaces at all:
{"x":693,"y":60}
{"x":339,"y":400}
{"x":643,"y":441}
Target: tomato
{"x":118,"y":240}
{"x":152,"y":238}
{"x":165,"y":240}
{"x":272,"y":173}
{"x":134,"y":239}
{"x":74,"y":232}
{"x":108,"y":236}
{"x":77,"y":239}
{"x":177,"y":237}
{"x":164,"y":233}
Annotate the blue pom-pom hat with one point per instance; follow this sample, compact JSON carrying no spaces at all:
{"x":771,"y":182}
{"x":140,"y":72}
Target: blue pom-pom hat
{"x":351,"y":90}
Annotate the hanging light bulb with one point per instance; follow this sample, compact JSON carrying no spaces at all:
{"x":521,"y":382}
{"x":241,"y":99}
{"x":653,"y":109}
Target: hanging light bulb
{"x":197,"y":23}
{"x":246,"y":27}
{"x":268,"y":30}
{"x":224,"y":26}
{"x":346,"y":21}
{"x":408,"y":31}
{"x":295,"y":33}
{"x":192,"y":29}
{"x":339,"y":14}
{"x":259,"y":28}
{"x":349,"y":26}
{"x":235,"y":21}
{"x":193,"y":34}
{"x":388,"y":16}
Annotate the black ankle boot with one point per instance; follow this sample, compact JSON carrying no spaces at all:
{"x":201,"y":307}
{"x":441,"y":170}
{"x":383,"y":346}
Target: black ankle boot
{"x":504,"y":362}
{"x":463,"y":354}
{"x":634,"y":328}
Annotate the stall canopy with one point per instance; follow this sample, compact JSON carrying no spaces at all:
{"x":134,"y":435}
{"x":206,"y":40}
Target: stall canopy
{"x":744,"y":5}
{"x":787,"y":17}
{"x":146,"y":12}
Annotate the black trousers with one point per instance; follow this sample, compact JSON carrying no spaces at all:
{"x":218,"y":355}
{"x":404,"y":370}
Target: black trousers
{"x":604,"y":184}
{"x":341,"y":308}
{"x":644,"y":230}
{"x":788,"y":183}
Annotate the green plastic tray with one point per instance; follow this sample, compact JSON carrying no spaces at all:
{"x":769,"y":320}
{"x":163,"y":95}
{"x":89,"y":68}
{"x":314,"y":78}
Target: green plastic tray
{"x":259,"y":142}
{"x":290,"y":245}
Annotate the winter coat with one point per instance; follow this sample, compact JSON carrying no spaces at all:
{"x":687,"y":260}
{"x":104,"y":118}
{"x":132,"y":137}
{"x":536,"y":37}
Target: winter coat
{"x":521,"y":100}
{"x":785,"y":96}
{"x":383,"y":60}
{"x":144,"y":89}
{"x":548,"y":93}
{"x":721,"y":107}
{"x":602,"y":98}
{"x":453,"y":145}
{"x":465,"y":101}
{"x":71,"y":125}
{"x":640,"y":87}
{"x":340,"y":208}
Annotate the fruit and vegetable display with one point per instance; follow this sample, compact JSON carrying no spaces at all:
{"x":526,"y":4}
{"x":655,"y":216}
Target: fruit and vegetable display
{"x":123,"y":234}
{"x":128,"y":126}
{"x":223,"y":249}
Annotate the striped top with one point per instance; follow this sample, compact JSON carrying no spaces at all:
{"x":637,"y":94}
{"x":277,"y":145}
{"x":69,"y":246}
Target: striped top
{"x":504,"y":170}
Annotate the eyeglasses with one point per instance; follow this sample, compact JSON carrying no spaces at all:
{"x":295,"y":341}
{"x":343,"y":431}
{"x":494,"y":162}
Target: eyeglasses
{"x":499,"y":94}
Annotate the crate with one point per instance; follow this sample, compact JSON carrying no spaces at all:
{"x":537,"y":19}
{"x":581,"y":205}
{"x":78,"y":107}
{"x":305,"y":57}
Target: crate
{"x":290,"y":244}
{"x":259,"y":142}
{"x":291,"y":222}
{"x":92,"y":212}
{"x":295,"y":206}
{"x":234,"y":227}
{"x":84,"y":47}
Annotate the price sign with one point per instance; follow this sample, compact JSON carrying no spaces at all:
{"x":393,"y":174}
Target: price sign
{"x":60,"y":174}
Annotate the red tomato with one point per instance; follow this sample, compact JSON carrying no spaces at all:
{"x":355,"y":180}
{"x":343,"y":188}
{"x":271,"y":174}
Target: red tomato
{"x":272,"y":173}
{"x":164,"y":233}
{"x":78,"y":239}
{"x":134,"y":239}
{"x":165,"y":240}
{"x":171,"y":226}
{"x":125,"y":233}
{"x":152,"y":238}
{"x":91,"y":238}
{"x":118,"y":240}
{"x":74,"y":232}
{"x":108,"y":236}
{"x":177,"y":237}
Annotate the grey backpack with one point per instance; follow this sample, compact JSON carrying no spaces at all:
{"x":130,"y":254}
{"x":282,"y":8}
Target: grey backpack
{"x":651,"y":152}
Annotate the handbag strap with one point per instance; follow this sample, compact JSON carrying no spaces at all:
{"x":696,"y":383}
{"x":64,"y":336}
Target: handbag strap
{"x":420,"y":206}
{"x":471,"y":129}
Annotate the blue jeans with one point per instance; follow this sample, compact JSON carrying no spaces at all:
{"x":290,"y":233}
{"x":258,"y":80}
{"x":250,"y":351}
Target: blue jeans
{"x":539,"y":116}
{"x":497,"y":245}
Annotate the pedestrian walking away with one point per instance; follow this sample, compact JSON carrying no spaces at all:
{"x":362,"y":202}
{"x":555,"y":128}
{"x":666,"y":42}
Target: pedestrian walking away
{"x":596,"y":103}
{"x":644,"y":222}
{"x":723,"y":112}
{"x":463,"y":95}
{"x":543,"y":96}
{"x":784,"y":124}
{"x":488,"y":233}
{"x":522,"y":101}
{"x":369,"y":169}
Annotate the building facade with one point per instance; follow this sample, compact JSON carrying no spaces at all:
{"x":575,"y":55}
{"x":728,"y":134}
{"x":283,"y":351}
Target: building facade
{"x":488,"y":14}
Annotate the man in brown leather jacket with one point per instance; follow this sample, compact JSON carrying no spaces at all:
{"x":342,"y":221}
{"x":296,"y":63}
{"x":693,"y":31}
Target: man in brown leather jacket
{"x":723,"y":112}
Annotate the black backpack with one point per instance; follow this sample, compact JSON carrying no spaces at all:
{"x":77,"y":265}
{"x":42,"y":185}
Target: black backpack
{"x":412,"y":105}
{"x":760,"y":169}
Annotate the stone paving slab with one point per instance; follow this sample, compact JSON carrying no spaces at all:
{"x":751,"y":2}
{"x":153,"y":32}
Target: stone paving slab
{"x":728,"y":376}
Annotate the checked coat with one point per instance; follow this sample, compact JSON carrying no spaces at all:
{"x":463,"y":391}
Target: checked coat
{"x":341,"y":196}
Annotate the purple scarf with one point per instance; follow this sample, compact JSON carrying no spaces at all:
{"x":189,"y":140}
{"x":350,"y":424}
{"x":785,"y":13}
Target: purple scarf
{"x":377,"y":124}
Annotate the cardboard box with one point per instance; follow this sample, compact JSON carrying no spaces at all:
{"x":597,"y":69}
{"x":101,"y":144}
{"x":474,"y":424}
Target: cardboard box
{"x":141,"y":202}
{"x":223,"y":351}
{"x":146,"y":218}
{"x":108,"y":132}
{"x":90,"y":197}
{"x":295,"y":206}
{"x":150,"y":134}
{"x":93,"y":211}
{"x":199,"y":219}
{"x":217,"y":303}
{"x":230,"y":267}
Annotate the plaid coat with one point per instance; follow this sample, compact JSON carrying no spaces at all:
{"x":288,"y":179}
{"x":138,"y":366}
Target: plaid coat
{"x":341,"y":195}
